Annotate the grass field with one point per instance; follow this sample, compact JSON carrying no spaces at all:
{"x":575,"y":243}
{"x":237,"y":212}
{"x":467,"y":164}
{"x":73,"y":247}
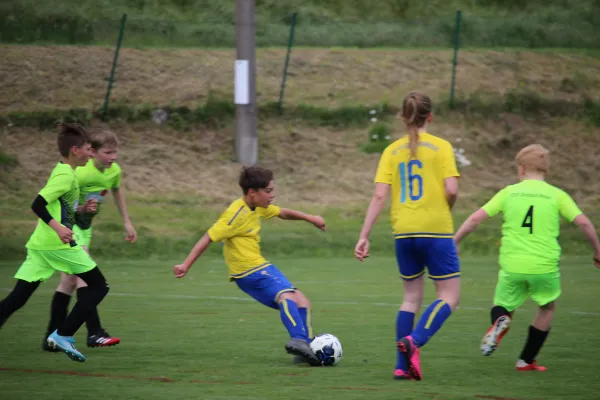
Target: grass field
{"x":398,"y":23}
{"x":323,"y":77}
{"x":203,"y":338}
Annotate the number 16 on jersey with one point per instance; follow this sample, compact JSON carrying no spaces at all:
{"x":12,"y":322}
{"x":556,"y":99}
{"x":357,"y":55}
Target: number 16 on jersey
{"x":409,"y":178}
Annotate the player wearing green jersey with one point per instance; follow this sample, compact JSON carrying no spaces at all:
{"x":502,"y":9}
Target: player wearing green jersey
{"x":100,"y":175}
{"x":52,"y":246}
{"x":530,"y":252}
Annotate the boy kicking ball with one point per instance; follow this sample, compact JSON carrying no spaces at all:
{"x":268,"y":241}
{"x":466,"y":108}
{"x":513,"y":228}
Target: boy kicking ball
{"x":238,"y":228}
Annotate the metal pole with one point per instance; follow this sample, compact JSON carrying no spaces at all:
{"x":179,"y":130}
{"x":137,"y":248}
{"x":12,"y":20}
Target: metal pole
{"x":287,"y":62}
{"x":455,"y":59}
{"x":246,"y":140}
{"x":111,"y":78}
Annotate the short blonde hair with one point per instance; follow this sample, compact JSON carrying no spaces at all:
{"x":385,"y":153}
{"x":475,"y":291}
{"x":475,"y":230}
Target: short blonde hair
{"x":534,"y":158}
{"x":103,"y":138}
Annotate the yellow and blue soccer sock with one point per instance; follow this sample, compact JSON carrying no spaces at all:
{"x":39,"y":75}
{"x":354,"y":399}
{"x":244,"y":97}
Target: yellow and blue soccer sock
{"x":431,"y":321}
{"x":306,"y":315}
{"x":290,"y":317}
{"x":404,"y":326}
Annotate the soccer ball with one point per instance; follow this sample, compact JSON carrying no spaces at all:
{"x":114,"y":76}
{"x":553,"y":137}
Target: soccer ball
{"x":328,"y":349}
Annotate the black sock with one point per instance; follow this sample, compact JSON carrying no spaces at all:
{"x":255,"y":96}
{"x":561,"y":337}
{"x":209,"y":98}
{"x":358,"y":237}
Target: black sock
{"x":93,"y":322}
{"x":88,"y":299}
{"x":535,"y":341}
{"x":58,"y":311}
{"x":497,"y":312}
{"x":16,"y":299}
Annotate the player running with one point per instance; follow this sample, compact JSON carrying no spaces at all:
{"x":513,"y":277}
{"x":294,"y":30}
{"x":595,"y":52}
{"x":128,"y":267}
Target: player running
{"x":530,"y":253}
{"x":421,"y":171}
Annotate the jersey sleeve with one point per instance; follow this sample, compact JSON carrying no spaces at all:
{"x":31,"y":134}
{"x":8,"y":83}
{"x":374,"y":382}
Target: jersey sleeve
{"x":384,"y":170}
{"x":56,"y":186}
{"x":496,"y":204}
{"x":448,"y":164}
{"x":269,"y":212}
{"x":567,"y":207}
{"x":227,"y":226}
{"x":116,"y":182}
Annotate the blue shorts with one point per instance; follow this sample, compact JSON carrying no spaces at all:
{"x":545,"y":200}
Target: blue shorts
{"x":265,"y":285}
{"x":437,"y":254}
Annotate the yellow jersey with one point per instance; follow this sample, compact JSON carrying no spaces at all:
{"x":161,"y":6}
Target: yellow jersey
{"x":419,"y":206}
{"x":238,"y":228}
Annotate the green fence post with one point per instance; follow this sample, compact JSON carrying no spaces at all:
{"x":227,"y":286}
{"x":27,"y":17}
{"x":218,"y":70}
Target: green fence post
{"x":111,"y":78}
{"x":454,"y":60}
{"x":287,"y":61}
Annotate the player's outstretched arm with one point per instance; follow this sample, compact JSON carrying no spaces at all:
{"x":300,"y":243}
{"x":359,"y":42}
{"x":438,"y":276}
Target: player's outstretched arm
{"x":122,"y":206}
{"x":589,"y":231}
{"x":361,"y":250}
{"x":316,"y":220}
{"x":200,"y":247}
{"x":470,"y":225}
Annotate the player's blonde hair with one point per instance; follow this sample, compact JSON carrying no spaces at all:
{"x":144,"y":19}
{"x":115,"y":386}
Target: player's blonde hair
{"x":534,"y":158}
{"x":103,"y":138}
{"x":416,"y":107}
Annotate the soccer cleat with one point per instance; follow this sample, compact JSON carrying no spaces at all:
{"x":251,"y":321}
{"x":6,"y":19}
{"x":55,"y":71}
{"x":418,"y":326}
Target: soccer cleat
{"x":102,"y":339}
{"x":401,"y":375}
{"x":299,"y":347}
{"x":492,"y":337}
{"x":523,"y":366}
{"x":303,"y":360}
{"x":411,"y":353}
{"x":47,"y":347}
{"x":298,"y":360}
{"x":65,"y":344}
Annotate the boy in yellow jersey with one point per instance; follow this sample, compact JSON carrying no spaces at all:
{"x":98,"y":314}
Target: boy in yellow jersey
{"x":52,"y":246}
{"x":239,"y":228}
{"x":530,"y":253}
{"x":100,"y":175}
{"x":421,"y":171}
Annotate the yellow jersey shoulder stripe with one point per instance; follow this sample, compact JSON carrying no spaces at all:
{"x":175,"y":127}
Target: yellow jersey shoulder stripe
{"x":235,"y":215}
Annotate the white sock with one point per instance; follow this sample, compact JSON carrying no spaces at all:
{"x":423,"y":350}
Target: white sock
{"x":521,"y":364}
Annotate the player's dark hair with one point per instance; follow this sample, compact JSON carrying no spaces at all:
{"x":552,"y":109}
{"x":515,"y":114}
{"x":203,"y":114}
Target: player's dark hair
{"x":416,"y":107}
{"x":255,"y":178}
{"x":71,"y":135}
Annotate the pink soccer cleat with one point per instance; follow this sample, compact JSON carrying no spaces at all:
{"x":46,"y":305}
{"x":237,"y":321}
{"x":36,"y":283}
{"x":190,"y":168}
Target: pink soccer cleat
{"x":411,"y":352}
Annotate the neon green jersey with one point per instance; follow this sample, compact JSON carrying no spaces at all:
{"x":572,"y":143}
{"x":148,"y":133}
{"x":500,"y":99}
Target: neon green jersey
{"x":62,"y":194}
{"x":531,"y":226}
{"x":95,"y":184}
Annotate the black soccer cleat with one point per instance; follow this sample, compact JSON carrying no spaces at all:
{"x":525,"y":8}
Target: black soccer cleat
{"x":102,"y":339}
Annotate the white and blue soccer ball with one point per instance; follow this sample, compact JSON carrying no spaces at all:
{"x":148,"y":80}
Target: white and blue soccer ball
{"x":327,"y":348}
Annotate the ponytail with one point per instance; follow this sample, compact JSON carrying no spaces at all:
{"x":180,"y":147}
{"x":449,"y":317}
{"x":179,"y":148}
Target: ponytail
{"x":416,"y":108}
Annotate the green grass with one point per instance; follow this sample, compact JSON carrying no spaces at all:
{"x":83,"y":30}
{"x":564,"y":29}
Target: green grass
{"x":205,"y":339}
{"x":169,"y":227}
{"x":396,"y":23}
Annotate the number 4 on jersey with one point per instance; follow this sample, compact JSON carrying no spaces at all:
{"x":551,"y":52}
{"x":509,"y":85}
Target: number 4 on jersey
{"x":528,"y":221}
